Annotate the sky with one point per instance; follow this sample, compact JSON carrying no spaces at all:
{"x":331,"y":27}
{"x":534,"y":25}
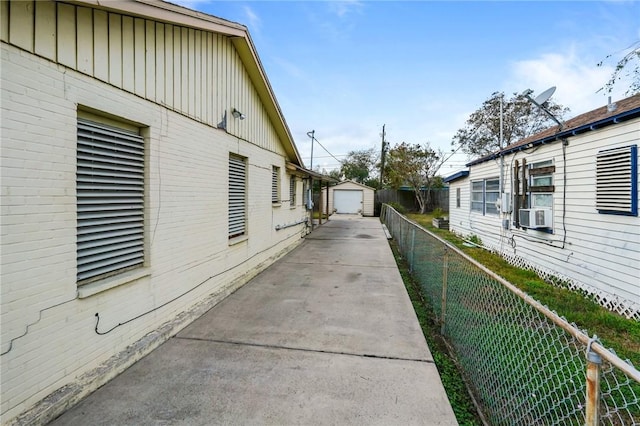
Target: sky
{"x":346,"y":68}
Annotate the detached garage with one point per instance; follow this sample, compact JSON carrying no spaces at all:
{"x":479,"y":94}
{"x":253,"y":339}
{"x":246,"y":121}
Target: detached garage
{"x":350,"y":197}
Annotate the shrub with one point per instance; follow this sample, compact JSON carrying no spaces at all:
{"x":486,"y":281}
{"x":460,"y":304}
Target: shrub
{"x":475,"y":239}
{"x":398,"y":207}
{"x":438,"y":212}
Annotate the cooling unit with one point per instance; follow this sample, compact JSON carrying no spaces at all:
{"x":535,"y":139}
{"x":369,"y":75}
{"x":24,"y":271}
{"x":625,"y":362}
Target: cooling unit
{"x":535,"y":218}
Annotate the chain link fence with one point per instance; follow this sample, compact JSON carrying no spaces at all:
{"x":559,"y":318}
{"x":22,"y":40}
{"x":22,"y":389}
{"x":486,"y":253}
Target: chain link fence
{"x":524,"y":364}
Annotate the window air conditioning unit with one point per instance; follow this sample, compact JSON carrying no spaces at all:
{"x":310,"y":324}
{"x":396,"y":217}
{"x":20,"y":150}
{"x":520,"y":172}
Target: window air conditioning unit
{"x":535,"y":218}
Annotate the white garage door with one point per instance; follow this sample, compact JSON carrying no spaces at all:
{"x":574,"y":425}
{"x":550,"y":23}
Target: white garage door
{"x":347,"y":201}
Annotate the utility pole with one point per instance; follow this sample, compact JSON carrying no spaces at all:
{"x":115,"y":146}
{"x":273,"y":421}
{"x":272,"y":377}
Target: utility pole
{"x":382,"y":155}
{"x":312,"y":135}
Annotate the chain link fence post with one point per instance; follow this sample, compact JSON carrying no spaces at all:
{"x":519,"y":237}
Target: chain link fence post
{"x":592,"y":406}
{"x":445,"y":267}
{"x":412,"y":250}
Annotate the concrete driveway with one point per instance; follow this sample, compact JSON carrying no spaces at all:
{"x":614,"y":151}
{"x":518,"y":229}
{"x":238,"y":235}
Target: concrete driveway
{"x":325,"y":336}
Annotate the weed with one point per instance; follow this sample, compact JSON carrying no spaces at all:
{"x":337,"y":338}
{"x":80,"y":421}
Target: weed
{"x":398,"y":207}
{"x":474,"y":239}
{"x":438,"y":212}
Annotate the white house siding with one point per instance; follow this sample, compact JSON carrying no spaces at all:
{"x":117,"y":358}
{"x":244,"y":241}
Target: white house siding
{"x":367,"y":196}
{"x":459,"y":217}
{"x":48,"y":341}
{"x":601,"y":253}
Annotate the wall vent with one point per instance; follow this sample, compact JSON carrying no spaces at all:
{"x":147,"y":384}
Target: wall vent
{"x":616,"y":181}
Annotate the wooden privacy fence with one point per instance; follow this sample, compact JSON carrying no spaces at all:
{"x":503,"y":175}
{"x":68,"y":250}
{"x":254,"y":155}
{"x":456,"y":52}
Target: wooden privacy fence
{"x":439,"y":198}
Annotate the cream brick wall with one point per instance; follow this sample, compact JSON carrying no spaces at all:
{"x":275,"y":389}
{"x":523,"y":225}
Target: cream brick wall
{"x":47,"y":334}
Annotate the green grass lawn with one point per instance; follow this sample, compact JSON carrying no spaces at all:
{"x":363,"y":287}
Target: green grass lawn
{"x":615,"y":331}
{"x":454,"y":385}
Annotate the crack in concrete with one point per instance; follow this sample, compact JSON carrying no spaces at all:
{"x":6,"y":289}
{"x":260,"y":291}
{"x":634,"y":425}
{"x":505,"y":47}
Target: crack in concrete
{"x":291,"y":348}
{"x":344,"y":264}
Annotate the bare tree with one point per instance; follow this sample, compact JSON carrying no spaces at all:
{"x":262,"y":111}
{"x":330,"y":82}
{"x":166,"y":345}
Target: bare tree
{"x":628,"y":66}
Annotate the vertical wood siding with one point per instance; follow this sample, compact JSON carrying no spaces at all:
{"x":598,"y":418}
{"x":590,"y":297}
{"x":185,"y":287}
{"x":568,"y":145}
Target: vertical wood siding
{"x":4,"y":21}
{"x":22,"y":35}
{"x":193,"y":72}
{"x":101,"y":45}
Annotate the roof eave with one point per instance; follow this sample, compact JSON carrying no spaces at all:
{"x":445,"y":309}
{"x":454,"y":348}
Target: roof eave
{"x":310,"y":173}
{"x":249,"y":57}
{"x":170,"y":13}
{"x":167,"y":12}
{"x":456,"y":176}
{"x":614,"y":119}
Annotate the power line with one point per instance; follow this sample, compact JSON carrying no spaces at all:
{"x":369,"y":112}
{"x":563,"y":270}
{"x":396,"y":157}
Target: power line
{"x":327,"y":156}
{"x":312,"y":135}
{"x":327,"y":151}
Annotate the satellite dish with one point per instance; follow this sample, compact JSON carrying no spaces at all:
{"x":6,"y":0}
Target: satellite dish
{"x":544,"y":96}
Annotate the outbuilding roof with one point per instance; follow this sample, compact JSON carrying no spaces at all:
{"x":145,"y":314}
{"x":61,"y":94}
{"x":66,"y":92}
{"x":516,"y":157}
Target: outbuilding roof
{"x":625,"y":109}
{"x":355,"y":183}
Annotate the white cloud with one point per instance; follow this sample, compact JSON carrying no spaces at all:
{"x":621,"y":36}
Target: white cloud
{"x":576,"y":77}
{"x":254,"y":21}
{"x":345,"y":7}
{"x":337,"y":30}
{"x":190,"y":4}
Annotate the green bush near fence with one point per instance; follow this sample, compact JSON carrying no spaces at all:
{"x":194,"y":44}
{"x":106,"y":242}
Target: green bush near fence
{"x":398,"y":207}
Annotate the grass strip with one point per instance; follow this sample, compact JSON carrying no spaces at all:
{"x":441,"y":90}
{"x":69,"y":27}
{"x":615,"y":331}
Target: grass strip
{"x":614,"y":331}
{"x":454,"y":385}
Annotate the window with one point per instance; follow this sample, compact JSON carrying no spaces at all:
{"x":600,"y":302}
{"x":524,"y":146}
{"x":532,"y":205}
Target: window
{"x":477,"y":196}
{"x":616,"y":181}
{"x":292,"y":191}
{"x":491,"y":193}
{"x":541,"y":201}
{"x":237,"y":196}
{"x":534,"y":189}
{"x":275,"y":185}
{"x":484,"y":194}
{"x":458,"y":197}
{"x":541,"y":186}
{"x":110,"y":200}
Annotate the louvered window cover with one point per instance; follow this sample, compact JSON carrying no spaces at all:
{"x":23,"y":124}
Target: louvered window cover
{"x":292,"y":191}
{"x":617,"y":181}
{"x":275,"y":181}
{"x":110,"y":200}
{"x":237,"y":196}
